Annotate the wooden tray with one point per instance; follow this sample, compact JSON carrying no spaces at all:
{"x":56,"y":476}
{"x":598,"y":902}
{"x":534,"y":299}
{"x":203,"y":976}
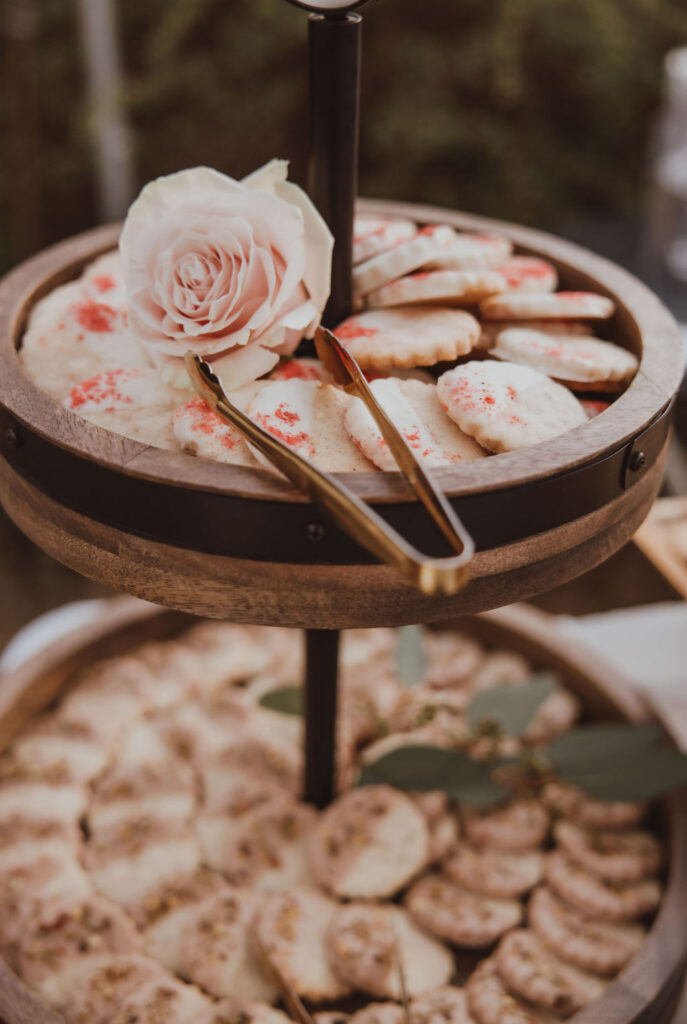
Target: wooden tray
{"x":644,"y":993}
{"x":233,"y":542}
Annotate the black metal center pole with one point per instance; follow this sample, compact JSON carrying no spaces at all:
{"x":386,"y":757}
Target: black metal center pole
{"x":334,"y":105}
{"x":321,"y":686}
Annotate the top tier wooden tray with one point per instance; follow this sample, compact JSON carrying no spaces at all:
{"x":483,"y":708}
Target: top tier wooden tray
{"x":232,"y":542}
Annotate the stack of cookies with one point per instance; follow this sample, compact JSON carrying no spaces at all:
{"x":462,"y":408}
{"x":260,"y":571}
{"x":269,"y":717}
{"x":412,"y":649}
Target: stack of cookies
{"x":158,"y":865}
{"x":470,"y":349}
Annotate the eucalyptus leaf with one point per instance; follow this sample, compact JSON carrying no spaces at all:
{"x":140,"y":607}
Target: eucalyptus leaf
{"x":409,"y":655}
{"x":424,"y":768}
{"x":629,"y":777}
{"x":287,"y":699}
{"x":512,"y":707}
{"x":592,"y":744}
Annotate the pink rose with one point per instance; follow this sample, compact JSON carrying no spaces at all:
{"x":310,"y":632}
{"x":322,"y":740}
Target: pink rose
{"x":237,"y":271}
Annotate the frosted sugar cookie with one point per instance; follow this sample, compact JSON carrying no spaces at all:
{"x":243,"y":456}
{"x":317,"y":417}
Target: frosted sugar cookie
{"x":458,"y":915}
{"x":520,"y":825}
{"x":373,"y":235}
{"x":531,"y":971}
{"x":528,"y":274}
{"x":292,"y":929}
{"x":415,"y":411}
{"x":385,"y":339}
{"x":391,"y":843}
{"x":505,"y":406}
{"x":494,"y":872}
{"x":469,"y":251}
{"x":366,"y":942}
{"x":570,"y":802}
{"x":430,"y":243}
{"x":490,"y":1002}
{"x":542,"y":306}
{"x":132,"y":402}
{"x":581,"y":940}
{"x":580,"y":362}
{"x":611,"y":901}
{"x":446,"y":287}
{"x":444,"y":1005}
{"x":626,"y":856}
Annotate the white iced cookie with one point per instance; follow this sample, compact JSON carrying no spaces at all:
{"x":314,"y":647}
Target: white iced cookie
{"x":590,"y":894}
{"x":472,"y":251}
{"x":448,"y":287}
{"x":543,"y":306}
{"x":626,"y":856}
{"x":367,"y":941}
{"x":490,"y":1002}
{"x":133,"y":402}
{"x":528,"y":274}
{"x":505,"y":406}
{"x":445,"y":1005}
{"x":414,"y":409}
{"x":128,"y":860}
{"x":521,"y":825}
{"x":373,"y":235}
{"x":217,"y":950}
{"x":583,"y":941}
{"x":494,"y":872}
{"x":582,"y":809}
{"x":391,"y":843}
{"x":265,"y":847}
{"x":292,"y":930}
{"x":536,"y":974}
{"x":458,"y":915}
{"x":580,"y":362}
{"x":408,"y":336}
{"x":428,"y":244}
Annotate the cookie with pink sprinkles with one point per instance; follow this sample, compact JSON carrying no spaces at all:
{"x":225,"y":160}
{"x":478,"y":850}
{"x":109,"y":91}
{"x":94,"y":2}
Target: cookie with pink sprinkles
{"x":373,"y":235}
{"x":408,"y":336}
{"x":545,"y":305}
{"x":580,"y":362}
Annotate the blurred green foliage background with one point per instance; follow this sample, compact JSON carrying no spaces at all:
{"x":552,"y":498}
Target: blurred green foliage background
{"x":534,"y":110}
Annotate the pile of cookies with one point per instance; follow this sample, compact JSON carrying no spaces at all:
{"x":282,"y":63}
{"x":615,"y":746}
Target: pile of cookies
{"x":157,"y":864}
{"x":469,"y":348}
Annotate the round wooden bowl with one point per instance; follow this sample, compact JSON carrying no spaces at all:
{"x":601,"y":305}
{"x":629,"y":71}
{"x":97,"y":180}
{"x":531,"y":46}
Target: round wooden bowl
{"x":237,"y":543}
{"x":644,"y":993}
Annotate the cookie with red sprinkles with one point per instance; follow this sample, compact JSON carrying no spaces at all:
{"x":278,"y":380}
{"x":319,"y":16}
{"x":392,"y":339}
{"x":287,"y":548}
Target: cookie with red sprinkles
{"x":580,"y":362}
{"x":373,"y":235}
{"x":450,"y":287}
{"x":408,"y":336}
{"x":545,"y":305}
{"x":425,"y":246}
{"x":505,"y":406}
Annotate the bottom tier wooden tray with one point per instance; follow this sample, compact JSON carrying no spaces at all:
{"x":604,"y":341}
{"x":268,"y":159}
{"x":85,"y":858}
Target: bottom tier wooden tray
{"x":644,"y":993}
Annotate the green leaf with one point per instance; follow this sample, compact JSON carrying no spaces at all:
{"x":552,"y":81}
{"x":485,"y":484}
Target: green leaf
{"x":512,"y":707}
{"x":409,"y":655}
{"x":588,"y":744}
{"x":424,"y":768}
{"x":628,"y":777}
{"x":287,"y":699}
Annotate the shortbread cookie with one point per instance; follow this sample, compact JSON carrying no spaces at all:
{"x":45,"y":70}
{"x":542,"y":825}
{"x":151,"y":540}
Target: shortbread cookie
{"x":265,"y":847}
{"x":458,"y":915}
{"x":292,"y":929}
{"x":490,"y":1002}
{"x":39,"y":891}
{"x":579,"y":807}
{"x":611,"y":901}
{"x":40,"y":801}
{"x":370,"y":942}
{"x":445,"y":287}
{"x":232,"y":1011}
{"x":175,"y":672}
{"x":162,"y":792}
{"x":505,"y":406}
{"x":431,"y":242}
{"x":199,"y":431}
{"x":228,"y":653}
{"x":167,"y":910}
{"x":472,"y":251}
{"x":391,"y":844}
{"x":217,"y":949}
{"x":386,"y":339}
{"x":494,"y":872}
{"x":103,"y":279}
{"x":532,"y":972}
{"x":133,"y":402}
{"x":543,"y":306}
{"x":379,"y":1013}
{"x":445,"y":1005}
{"x":109,"y":697}
{"x":453,"y":658}
{"x":167,"y":999}
{"x":520,"y":825}
{"x":528,"y":274}
{"x":579,"y":939}
{"x":444,"y":834}
{"x":580,"y":362}
{"x":23,"y":839}
{"x":68,"y":750}
{"x":301,"y":369}
{"x":373,"y":235}
{"x":554,"y":328}
{"x":626,"y":856}
{"x":414,"y":409}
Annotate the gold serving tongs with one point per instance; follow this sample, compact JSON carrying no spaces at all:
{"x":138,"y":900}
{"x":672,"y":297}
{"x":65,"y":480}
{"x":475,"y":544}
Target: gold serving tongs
{"x":431,"y":575}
